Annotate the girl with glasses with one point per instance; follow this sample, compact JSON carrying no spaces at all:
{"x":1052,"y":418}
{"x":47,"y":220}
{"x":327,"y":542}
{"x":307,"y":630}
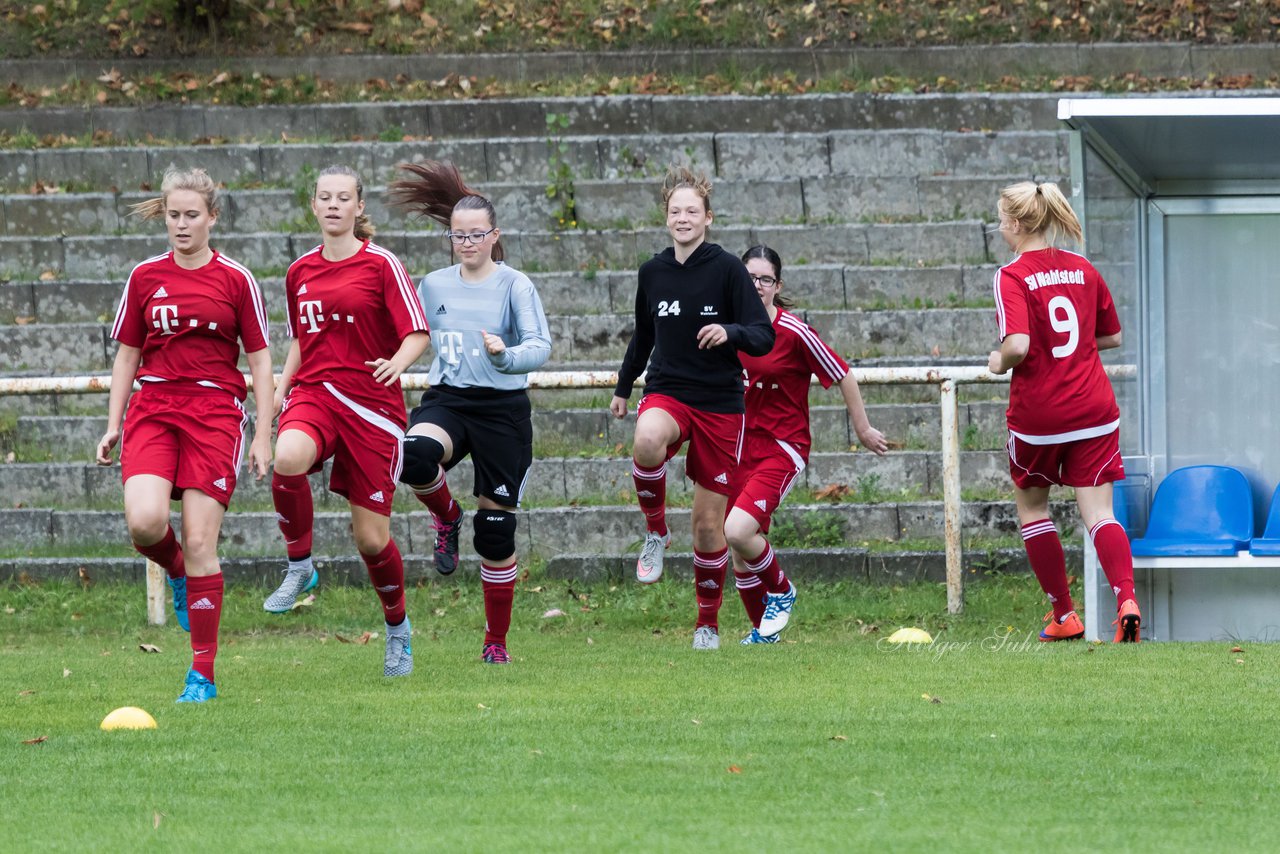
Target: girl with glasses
{"x":695,"y":311}
{"x":1055,"y":314}
{"x":489,"y":331}
{"x":356,"y":326}
{"x":777,"y":444}
{"x":181,"y":323}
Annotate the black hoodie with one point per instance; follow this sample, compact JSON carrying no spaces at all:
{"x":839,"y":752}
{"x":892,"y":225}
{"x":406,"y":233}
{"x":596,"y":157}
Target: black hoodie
{"x":674,"y":301}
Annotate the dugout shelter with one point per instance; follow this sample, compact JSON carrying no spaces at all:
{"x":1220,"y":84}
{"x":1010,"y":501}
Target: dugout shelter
{"x":1180,"y":202}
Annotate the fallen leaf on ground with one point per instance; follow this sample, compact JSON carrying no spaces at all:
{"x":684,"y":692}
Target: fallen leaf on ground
{"x":554,"y":612}
{"x":696,"y":722}
{"x":155,"y":819}
{"x":839,"y":738}
{"x":1236,"y":649}
{"x":65,"y":673}
{"x":37,"y":740}
{"x":364,"y":638}
{"x":26,"y":693}
{"x":341,"y":639}
{"x":734,"y":769}
{"x":304,"y":603}
{"x":148,"y":647}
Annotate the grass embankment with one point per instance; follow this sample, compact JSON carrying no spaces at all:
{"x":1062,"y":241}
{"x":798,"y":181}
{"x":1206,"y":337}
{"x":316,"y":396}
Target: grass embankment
{"x":609,"y":733}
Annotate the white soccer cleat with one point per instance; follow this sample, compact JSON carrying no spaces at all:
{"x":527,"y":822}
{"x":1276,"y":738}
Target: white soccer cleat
{"x":649,"y":566}
{"x":705,"y":637}
{"x":777,"y":611}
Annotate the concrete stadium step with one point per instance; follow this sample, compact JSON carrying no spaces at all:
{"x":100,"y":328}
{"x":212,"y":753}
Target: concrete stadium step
{"x":609,"y":155}
{"x":558,"y":480}
{"x":803,"y":565}
{"x":543,"y":533}
{"x":576,"y":339}
{"x":270,"y":253}
{"x":655,"y":115}
{"x":65,"y":437}
{"x":527,"y":206}
{"x":814,"y":287}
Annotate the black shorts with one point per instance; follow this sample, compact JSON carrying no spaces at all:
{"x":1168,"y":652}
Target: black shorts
{"x":493,"y":427}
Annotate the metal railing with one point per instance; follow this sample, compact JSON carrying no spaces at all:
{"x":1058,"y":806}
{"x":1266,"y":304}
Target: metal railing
{"x":945,"y":378}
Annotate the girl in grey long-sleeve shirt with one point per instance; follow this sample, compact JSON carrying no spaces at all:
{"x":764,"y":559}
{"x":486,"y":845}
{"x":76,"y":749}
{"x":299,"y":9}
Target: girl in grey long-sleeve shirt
{"x":488,"y":332}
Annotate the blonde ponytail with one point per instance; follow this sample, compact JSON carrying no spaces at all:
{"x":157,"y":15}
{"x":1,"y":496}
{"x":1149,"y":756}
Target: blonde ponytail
{"x":1041,"y":209}
{"x":194,"y":179}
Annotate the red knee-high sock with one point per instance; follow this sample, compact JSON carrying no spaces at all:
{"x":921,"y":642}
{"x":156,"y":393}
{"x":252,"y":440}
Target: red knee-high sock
{"x":770,"y":571}
{"x":1112,"y":545}
{"x":291,"y":494}
{"x":708,"y":585}
{"x":499,"y":584}
{"x":386,"y":572}
{"x":167,"y":553}
{"x":751,"y":591}
{"x":439,"y":500}
{"x":651,"y":491}
{"x":1044,"y":551}
{"x":204,"y":604}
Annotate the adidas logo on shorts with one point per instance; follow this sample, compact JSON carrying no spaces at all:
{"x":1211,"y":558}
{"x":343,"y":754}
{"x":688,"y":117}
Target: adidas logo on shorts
{"x":378,"y":497}
{"x":708,"y":584}
{"x":220,"y":483}
{"x":160,"y":294}
{"x":763,"y":505}
{"x":201,"y":604}
{"x":502,"y":490}
{"x":720,"y":478}
{"x":644,"y":493}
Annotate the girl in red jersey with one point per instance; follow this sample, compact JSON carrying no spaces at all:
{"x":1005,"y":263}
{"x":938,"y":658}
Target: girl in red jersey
{"x":777,"y":444}
{"x":695,"y":310}
{"x":356,"y":326}
{"x":180,"y":324}
{"x":1055,"y":313}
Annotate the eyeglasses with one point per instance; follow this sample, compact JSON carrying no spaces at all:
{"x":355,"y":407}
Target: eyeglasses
{"x":767,"y":281}
{"x":457,"y":238}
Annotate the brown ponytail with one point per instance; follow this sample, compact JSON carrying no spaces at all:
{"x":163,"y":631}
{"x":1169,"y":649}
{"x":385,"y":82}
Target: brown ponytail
{"x":436,"y":191}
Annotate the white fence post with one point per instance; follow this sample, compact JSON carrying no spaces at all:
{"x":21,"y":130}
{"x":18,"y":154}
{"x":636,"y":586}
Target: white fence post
{"x":155,"y":593}
{"x":951,"y":507}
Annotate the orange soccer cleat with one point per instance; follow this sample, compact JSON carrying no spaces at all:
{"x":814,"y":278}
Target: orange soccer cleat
{"x":1127,"y":622}
{"x":1068,"y":628}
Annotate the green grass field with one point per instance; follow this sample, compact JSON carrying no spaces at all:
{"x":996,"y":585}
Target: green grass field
{"x":610,"y":733}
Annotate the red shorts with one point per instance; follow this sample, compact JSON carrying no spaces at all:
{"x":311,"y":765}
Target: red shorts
{"x":191,"y":436}
{"x":764,"y":478}
{"x":364,"y":443}
{"x":1084,"y":462}
{"x":715,"y":441}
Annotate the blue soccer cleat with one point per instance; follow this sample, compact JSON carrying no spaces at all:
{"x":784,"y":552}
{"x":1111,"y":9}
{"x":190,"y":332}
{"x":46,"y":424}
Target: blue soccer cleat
{"x":755,"y":637}
{"x":198,"y":689}
{"x":399,"y":658}
{"x":179,"y":587}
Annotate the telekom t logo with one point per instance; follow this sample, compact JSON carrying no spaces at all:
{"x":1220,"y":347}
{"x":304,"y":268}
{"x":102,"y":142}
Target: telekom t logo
{"x":311,"y":315}
{"x":449,"y":346}
{"x":165,"y":318}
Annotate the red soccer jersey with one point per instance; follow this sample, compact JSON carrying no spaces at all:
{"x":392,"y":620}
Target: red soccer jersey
{"x":187,"y":322}
{"x":1060,"y":392}
{"x":345,"y":313}
{"x":777,"y":383}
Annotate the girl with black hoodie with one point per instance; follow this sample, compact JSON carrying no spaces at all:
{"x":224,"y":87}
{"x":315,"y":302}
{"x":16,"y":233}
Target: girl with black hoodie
{"x":696,"y":308}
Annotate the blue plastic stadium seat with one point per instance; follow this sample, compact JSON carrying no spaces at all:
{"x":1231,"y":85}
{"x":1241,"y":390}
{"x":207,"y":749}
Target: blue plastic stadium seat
{"x":1269,"y":542}
{"x":1199,"y":511}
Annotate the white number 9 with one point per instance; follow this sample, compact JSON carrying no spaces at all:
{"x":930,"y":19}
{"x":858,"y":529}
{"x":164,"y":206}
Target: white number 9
{"x":1065,"y":322}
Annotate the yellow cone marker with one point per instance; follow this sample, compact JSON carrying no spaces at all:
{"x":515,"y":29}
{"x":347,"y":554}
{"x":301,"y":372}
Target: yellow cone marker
{"x":910,"y":635}
{"x":128,"y":717}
